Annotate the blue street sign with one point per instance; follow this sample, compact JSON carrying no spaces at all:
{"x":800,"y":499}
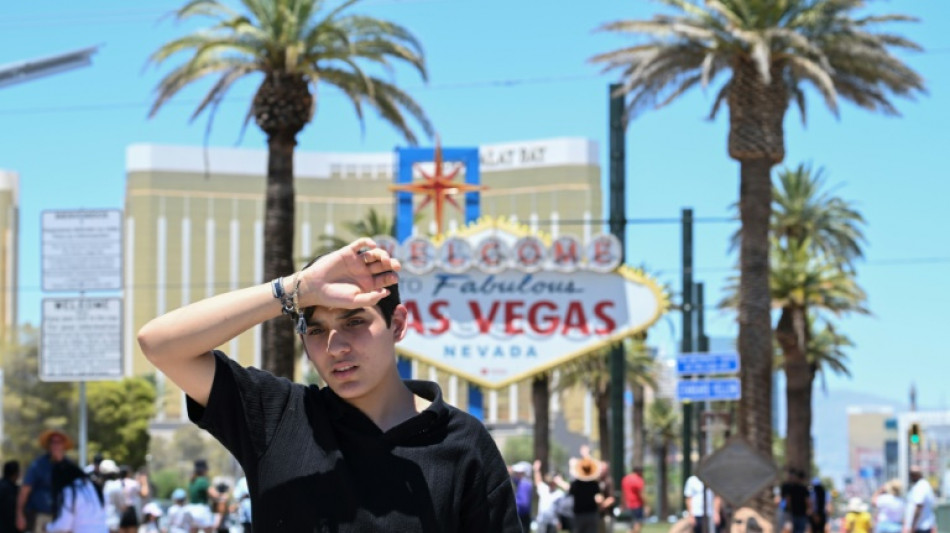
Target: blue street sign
{"x":708,"y":390}
{"x":707,"y":363}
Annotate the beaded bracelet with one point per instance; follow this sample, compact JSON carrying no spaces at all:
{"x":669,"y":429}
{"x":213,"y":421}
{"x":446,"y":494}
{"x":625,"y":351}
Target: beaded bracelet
{"x":288,"y":304}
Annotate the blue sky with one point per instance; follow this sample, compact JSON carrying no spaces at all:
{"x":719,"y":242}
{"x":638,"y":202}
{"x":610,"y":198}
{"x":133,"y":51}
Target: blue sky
{"x":506,"y":71}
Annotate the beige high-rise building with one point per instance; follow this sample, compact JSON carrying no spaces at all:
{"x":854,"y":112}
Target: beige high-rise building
{"x":9,"y":230}
{"x":194,"y":228}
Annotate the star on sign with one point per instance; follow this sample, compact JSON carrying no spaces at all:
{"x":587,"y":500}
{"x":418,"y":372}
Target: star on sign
{"x":438,"y":188}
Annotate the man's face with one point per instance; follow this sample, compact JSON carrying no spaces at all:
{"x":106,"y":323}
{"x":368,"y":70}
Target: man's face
{"x":57,"y":447}
{"x":352,"y":349}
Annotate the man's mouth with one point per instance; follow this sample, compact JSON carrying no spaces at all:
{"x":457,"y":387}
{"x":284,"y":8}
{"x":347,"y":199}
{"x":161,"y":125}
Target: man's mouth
{"x":344,"y":370}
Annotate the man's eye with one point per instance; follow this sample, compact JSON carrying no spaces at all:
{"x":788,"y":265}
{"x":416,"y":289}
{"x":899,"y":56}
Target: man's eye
{"x":353,"y":322}
{"x":315,"y":331}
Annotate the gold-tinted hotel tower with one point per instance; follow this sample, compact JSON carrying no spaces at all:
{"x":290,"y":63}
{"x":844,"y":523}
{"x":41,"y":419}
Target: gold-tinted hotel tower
{"x":194,"y":227}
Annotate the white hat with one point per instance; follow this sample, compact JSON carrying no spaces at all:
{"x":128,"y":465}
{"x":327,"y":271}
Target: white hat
{"x":856,"y":505}
{"x":108,"y":466}
{"x":152,"y":508}
{"x":522,"y":467}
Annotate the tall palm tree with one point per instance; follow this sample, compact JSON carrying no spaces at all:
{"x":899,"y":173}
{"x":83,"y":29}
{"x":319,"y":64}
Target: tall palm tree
{"x":769,"y":49}
{"x":291,"y":46}
{"x":662,"y":425}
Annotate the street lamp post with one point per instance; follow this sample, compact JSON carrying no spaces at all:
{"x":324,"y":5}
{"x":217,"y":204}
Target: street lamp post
{"x":24,"y":71}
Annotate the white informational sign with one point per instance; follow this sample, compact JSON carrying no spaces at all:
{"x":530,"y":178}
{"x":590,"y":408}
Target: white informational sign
{"x":81,"y":339}
{"x":495,"y":321}
{"x":82,"y":250}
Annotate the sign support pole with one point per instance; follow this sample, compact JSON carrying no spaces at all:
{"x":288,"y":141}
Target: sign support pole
{"x":687,"y":346}
{"x":618,"y":218}
{"x":83,"y":412}
{"x":83,"y":425}
{"x":705,"y":437}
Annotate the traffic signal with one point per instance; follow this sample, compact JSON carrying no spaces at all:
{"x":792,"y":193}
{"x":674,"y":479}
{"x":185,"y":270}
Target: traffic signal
{"x":913,"y":436}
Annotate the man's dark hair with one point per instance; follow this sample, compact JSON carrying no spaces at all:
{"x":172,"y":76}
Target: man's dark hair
{"x":11,"y":469}
{"x":387,"y":305}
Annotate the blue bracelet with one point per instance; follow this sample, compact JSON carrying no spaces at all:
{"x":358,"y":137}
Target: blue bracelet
{"x":286,"y":301}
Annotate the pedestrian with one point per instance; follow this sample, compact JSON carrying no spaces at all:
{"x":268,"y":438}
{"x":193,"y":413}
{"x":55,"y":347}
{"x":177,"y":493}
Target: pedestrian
{"x":889,"y":505}
{"x":919,"y":516}
{"x":632,"y":487}
{"x":548,"y":496}
{"x":201,"y":495}
{"x":797,"y":502}
{"x":35,"y":501}
{"x":9,"y":489}
{"x":131,"y":501}
{"x":524,"y":492}
{"x":605,"y":508}
{"x":584,"y":488}
{"x":243,"y":498}
{"x":820,"y":506}
{"x":112,"y":493}
{"x":857,"y":519}
{"x":221,"y":509}
{"x":368,"y":451}
{"x":179,"y":517}
{"x":700,"y":503}
{"x":151,"y":516}
{"x":78,"y":505}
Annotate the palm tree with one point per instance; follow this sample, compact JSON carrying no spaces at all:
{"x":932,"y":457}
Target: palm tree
{"x":770,"y":49}
{"x":293,"y":45}
{"x":593,"y":373}
{"x":818,"y":237}
{"x":541,"y":402}
{"x":641,"y":374}
{"x":372,"y":226}
{"x":662,"y":423}
{"x":802,"y":286}
{"x":802,"y":209}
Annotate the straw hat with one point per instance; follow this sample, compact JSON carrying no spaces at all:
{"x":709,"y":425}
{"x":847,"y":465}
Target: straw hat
{"x":894,"y":487}
{"x":50,"y":433}
{"x":586,"y":469}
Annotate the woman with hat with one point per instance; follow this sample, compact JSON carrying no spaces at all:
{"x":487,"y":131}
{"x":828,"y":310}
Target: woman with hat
{"x":890,"y":508}
{"x":857,"y":519}
{"x":585,"y":489}
{"x":35,"y":501}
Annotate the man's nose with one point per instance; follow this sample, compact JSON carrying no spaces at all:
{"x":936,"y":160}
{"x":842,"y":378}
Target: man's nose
{"x":337,"y":344}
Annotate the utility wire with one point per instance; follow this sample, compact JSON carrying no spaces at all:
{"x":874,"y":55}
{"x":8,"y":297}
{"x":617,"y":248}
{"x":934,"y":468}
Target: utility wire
{"x":244,"y":99}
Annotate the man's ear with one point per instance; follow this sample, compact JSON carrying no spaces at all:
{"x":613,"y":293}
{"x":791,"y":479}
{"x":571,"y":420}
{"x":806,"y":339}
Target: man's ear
{"x":400,"y":322}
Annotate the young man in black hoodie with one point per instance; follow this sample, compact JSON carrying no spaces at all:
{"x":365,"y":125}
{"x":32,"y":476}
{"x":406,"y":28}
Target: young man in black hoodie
{"x":369,"y":452}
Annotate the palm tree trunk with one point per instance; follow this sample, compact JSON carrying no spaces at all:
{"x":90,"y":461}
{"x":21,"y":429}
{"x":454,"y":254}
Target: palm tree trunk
{"x":637,"y":426}
{"x":603,"y":425}
{"x":277,"y":338}
{"x":792,"y":337}
{"x":662,"y":475}
{"x":755,"y":329}
{"x":541,"y":399}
